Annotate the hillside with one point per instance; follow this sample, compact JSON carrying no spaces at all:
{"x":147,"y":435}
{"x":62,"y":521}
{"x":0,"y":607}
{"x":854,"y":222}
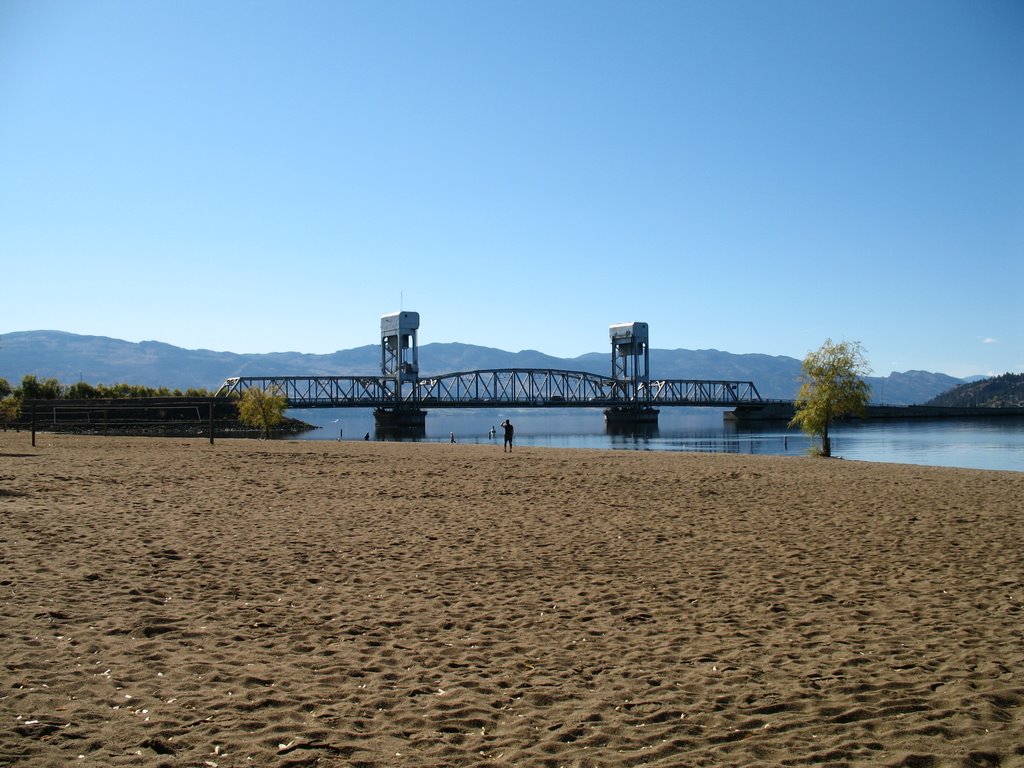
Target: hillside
{"x":1006,"y":391}
{"x":69,"y":358}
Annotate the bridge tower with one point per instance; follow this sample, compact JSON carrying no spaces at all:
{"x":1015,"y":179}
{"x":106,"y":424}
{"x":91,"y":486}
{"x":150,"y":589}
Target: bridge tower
{"x":400,"y":360}
{"x":631,"y":358}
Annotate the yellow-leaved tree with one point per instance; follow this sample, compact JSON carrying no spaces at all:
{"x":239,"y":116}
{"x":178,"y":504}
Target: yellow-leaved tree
{"x":10,"y":409}
{"x":262,"y":408}
{"x":832,"y":386}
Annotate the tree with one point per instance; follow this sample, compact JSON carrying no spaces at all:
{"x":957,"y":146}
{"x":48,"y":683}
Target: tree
{"x":833,"y":386}
{"x":34,"y":389}
{"x":82,"y":390}
{"x":262,"y":408}
{"x":10,"y":409}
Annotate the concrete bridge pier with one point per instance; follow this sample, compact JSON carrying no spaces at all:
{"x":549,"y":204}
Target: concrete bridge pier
{"x":401,"y":422}
{"x":618,"y":419}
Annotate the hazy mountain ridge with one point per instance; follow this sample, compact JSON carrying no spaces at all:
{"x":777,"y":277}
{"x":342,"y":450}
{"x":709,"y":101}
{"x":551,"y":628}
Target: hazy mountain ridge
{"x":70,"y":357}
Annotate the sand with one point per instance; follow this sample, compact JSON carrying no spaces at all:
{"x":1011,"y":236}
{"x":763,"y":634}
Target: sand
{"x":165,"y":602}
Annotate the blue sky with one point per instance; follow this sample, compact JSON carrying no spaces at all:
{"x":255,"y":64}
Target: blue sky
{"x":746,"y":176}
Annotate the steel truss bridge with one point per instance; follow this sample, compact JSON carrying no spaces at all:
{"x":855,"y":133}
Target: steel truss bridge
{"x":516,"y":387}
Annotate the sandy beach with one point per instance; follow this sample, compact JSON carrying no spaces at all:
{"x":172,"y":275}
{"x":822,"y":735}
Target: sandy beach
{"x":167,"y":602}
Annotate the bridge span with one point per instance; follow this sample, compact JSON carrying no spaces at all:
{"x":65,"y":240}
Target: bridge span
{"x":399,"y":395}
{"x":515,"y":387}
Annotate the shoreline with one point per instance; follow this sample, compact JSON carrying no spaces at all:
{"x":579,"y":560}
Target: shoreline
{"x":170,"y":602}
{"x":784,"y":410}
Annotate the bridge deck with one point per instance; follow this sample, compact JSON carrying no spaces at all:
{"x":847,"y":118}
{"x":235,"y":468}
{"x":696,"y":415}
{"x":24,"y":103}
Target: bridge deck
{"x":518,"y":387}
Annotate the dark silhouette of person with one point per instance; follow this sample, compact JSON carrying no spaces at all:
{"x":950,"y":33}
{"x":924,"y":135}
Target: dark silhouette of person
{"x":509,"y":431}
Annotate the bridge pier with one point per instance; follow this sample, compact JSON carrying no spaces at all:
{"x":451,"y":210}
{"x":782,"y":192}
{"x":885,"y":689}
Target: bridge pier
{"x":403,"y":422}
{"x":619,"y":418}
{"x":773,"y":411}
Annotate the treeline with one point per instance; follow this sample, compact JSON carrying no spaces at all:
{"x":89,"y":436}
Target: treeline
{"x":33,"y":388}
{"x":143,"y":417}
{"x":1006,"y":391}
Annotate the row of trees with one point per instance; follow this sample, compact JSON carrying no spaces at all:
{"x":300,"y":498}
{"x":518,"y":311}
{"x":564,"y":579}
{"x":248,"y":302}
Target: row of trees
{"x":257,"y":408}
{"x":33,"y":388}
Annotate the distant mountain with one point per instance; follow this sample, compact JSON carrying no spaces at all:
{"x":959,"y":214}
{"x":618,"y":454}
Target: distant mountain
{"x":69,"y":357}
{"x":1006,"y":391}
{"x":910,"y":387}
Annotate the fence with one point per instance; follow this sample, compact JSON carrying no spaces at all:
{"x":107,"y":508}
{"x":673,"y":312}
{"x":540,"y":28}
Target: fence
{"x":196,"y":416}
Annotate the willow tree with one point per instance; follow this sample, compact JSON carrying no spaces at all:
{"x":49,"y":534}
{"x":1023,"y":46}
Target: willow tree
{"x":262,"y":408}
{"x":832,"y":386}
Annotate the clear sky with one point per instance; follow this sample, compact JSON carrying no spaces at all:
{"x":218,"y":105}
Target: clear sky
{"x":754,"y":176}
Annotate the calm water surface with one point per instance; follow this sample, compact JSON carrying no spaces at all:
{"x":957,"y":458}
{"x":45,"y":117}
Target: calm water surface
{"x":976,"y":443}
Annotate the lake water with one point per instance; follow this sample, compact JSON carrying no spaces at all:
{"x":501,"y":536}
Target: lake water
{"x":976,"y":443}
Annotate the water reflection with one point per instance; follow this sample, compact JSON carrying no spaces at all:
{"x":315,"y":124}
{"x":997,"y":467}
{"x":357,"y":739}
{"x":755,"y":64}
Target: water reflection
{"x":623,"y":433}
{"x":981,"y":443}
{"x":393,"y":434}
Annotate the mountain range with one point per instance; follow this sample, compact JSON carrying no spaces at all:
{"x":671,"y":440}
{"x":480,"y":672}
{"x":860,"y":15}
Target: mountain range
{"x":70,"y":357}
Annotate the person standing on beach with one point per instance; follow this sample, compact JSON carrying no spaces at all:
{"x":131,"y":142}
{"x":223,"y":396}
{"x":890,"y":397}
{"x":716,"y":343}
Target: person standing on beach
{"x":509,"y":430}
